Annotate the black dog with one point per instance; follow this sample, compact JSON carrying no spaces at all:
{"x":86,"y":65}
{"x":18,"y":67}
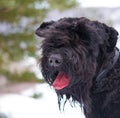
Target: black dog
{"x":80,"y":60}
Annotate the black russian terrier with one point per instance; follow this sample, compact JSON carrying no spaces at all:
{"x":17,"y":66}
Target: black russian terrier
{"x":80,"y":60}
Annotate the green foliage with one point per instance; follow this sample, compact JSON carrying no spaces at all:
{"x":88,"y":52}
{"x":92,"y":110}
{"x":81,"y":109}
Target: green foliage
{"x":25,"y":76}
{"x":36,"y":95}
{"x":62,"y":4}
{"x":17,"y":45}
{"x":18,"y":40}
{"x":13,"y":10}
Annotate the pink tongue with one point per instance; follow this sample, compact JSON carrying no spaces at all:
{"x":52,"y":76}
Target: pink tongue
{"x":61,"y":81}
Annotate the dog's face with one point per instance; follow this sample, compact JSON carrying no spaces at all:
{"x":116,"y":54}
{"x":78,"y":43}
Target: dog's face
{"x":71,"y":51}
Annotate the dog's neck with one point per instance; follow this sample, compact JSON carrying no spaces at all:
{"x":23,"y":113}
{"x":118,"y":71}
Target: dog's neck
{"x":108,"y":64}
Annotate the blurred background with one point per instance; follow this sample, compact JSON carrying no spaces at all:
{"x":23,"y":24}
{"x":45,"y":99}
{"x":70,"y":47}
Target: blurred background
{"x":23,"y":92}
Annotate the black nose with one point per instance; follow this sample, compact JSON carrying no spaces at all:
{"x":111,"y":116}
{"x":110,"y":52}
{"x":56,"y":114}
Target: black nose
{"x":55,"y":60}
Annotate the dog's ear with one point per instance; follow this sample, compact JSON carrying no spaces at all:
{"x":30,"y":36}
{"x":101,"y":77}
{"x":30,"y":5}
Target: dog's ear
{"x":95,"y":31}
{"x":88,"y":31}
{"x":43,"y":27}
{"x":112,"y":37}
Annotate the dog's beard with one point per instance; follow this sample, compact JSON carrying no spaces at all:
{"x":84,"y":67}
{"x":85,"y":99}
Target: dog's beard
{"x":78,"y":77}
{"x":64,"y":82}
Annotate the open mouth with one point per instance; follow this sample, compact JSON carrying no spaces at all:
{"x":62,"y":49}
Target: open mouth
{"x":62,"y":80}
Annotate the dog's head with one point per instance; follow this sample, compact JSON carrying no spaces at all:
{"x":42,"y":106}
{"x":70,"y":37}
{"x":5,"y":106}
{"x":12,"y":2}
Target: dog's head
{"x":70,"y":53}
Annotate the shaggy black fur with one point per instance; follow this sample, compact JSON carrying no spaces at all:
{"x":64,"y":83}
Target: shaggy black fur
{"x":84,"y":48}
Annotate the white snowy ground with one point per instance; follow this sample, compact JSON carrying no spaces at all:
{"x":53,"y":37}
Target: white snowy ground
{"x":21,"y":106}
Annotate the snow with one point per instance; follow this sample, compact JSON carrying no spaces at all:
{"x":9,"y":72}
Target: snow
{"x":22,"y":106}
